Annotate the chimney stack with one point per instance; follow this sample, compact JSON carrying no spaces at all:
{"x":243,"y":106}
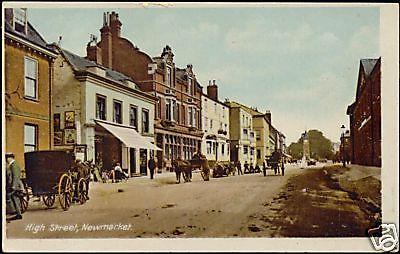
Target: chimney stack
{"x":268,"y":115}
{"x":93,"y":52}
{"x":115,"y":25}
{"x":106,"y":41}
{"x":212,"y":90}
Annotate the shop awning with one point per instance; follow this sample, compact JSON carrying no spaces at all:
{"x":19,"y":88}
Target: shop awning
{"x":128,"y":136}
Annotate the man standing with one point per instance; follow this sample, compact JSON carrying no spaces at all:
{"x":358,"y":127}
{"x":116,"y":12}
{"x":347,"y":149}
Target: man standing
{"x":13,"y":185}
{"x":264,"y":169}
{"x":152,"y":166}
{"x":239,"y":168}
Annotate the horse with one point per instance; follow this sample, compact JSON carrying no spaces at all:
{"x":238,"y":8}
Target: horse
{"x":185,"y":167}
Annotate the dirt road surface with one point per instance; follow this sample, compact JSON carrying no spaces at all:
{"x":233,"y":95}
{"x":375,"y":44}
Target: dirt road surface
{"x":235,"y":206}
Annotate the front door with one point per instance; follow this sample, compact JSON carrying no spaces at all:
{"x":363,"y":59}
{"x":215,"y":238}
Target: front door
{"x":143,"y":162}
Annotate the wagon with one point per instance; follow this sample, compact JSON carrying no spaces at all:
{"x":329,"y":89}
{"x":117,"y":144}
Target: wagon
{"x":51,"y":174}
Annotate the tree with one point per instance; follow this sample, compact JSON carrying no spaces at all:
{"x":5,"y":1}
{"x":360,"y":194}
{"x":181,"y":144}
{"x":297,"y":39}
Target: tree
{"x":320,"y":146}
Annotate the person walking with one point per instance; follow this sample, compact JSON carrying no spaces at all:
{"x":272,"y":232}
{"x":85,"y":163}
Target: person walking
{"x":264,"y":169}
{"x":283,"y":167}
{"x":13,"y":186}
{"x":152,"y":166}
{"x":246,"y":167}
{"x":239,"y":168}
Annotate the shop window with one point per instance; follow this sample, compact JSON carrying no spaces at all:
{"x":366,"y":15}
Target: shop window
{"x":245,"y":149}
{"x":31,"y":72}
{"x":30,"y":137}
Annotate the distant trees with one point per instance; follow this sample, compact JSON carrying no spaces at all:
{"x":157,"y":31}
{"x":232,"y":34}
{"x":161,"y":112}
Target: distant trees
{"x":320,"y":146}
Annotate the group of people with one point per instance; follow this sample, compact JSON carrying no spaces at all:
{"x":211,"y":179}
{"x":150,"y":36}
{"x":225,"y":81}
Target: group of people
{"x":250,"y":169}
{"x":117,"y":174}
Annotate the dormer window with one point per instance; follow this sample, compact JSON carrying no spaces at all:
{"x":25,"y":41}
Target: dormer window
{"x":20,"y":20}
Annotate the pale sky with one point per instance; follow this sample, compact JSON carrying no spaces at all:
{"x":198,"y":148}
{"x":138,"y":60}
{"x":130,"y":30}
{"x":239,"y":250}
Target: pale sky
{"x":300,"y":63}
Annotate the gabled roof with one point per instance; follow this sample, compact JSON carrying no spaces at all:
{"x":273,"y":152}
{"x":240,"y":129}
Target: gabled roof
{"x":32,"y":35}
{"x":368,"y":65}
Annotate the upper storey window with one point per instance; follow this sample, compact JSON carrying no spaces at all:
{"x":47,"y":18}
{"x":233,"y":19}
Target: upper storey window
{"x":20,"y":19}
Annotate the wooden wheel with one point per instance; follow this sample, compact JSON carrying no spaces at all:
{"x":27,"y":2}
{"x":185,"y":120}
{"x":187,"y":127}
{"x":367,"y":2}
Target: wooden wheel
{"x":49,"y":200}
{"x":65,"y":191}
{"x":24,"y":199}
{"x":82,"y":191}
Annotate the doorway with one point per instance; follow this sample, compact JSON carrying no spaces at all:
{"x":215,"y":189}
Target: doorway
{"x":132,"y":160}
{"x":143,"y":162}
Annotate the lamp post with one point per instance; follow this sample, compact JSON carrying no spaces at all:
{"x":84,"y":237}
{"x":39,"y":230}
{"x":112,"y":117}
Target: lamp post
{"x":342,"y":145}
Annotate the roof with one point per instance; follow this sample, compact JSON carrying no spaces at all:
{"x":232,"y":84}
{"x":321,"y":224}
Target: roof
{"x":81,"y":64}
{"x":32,"y":35}
{"x":368,"y":65}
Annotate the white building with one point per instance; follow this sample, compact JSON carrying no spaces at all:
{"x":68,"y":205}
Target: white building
{"x":242,"y":135}
{"x":101,"y":114}
{"x":215,"y":123}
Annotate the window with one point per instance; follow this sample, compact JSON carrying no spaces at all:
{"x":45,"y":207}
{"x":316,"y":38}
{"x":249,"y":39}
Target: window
{"x":159,"y":107}
{"x":258,"y":154}
{"x":174,"y":111}
{"x":208,"y":147}
{"x":205,"y":122}
{"x":30,"y":138}
{"x":258,"y":135}
{"x":133,"y":116}
{"x":245,"y":149}
{"x":169,"y":77}
{"x":20,"y":19}
{"x":101,"y":107}
{"x":192,"y":116}
{"x":190,"y":85}
{"x":252,"y":151}
{"x":145,"y":121}
{"x":168,"y":109}
{"x":184,"y":115}
{"x":222,"y":148}
{"x":245,"y":132}
{"x":251,"y":134}
{"x":211,"y":124}
{"x":178,"y":116}
{"x":30,"y":78}
{"x":118,"y":112}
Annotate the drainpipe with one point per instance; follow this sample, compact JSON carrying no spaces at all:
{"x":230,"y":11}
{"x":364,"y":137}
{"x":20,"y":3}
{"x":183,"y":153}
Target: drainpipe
{"x":51,"y":103}
{"x":372,"y":123}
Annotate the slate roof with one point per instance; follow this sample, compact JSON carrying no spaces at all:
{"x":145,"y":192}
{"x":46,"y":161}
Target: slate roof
{"x":368,"y":65}
{"x":81,"y":64}
{"x":32,"y":35}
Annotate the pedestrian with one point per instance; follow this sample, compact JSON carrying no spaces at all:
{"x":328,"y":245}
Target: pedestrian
{"x":246,"y":167}
{"x":152,"y":166}
{"x":264,"y":169}
{"x":239,"y":168}
{"x":13,"y":186}
{"x":283,"y":167}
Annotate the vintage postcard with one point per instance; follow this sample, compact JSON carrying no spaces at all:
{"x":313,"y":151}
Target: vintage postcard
{"x":200,"y":127}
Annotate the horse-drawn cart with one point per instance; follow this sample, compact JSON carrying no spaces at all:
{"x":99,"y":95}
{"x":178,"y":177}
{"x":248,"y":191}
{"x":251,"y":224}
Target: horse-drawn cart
{"x":53,"y":173}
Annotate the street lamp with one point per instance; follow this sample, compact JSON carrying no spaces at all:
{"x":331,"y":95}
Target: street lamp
{"x":342,"y":145}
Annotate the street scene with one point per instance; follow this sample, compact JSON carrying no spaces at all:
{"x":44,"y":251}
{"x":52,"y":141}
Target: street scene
{"x":168,"y":122}
{"x":241,"y":206}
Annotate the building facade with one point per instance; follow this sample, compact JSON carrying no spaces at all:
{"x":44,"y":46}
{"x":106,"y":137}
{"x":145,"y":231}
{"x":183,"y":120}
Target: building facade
{"x":242,"y":137}
{"x":215,"y":114}
{"x":28,"y":86}
{"x":177,"y":116}
{"x":101,"y":114}
{"x":365,"y":115}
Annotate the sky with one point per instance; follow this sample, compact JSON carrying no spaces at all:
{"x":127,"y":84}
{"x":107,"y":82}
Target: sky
{"x":299,"y":63}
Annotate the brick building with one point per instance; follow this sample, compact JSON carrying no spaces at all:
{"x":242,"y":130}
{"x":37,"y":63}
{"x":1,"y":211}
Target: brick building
{"x":365,"y":115}
{"x":28,"y":86}
{"x":177,"y":123}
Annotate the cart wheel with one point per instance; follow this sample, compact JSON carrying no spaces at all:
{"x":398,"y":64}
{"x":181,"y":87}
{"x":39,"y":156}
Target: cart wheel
{"x":65,"y":191}
{"x":24,"y":200}
{"x":49,"y":200}
{"x":82,"y":191}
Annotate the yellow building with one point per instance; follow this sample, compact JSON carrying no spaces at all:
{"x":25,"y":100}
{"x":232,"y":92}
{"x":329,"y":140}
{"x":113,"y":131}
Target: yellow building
{"x":28,"y":81}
